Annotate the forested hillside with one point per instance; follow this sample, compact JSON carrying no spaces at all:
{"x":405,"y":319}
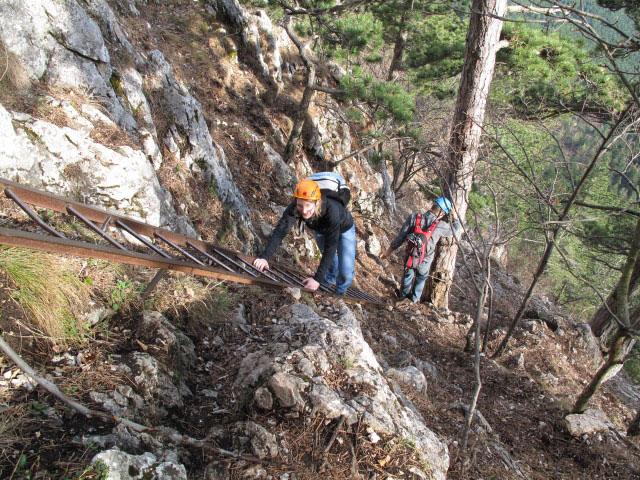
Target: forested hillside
{"x":200,"y":116}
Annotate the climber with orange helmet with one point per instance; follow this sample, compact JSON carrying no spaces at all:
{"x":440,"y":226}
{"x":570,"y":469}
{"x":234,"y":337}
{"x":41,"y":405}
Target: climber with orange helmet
{"x":334,"y":231}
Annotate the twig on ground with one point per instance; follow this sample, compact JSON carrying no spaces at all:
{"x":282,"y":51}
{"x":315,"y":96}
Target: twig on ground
{"x":334,"y":435}
{"x":354,"y":459}
{"x":174,"y":437}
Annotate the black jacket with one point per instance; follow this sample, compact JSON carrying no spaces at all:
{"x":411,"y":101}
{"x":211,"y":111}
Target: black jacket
{"x":333,"y":220}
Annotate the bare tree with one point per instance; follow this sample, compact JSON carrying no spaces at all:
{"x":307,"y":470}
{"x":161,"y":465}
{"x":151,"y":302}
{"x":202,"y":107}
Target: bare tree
{"x":555,"y":226}
{"x":625,"y":330}
{"x":481,"y":252}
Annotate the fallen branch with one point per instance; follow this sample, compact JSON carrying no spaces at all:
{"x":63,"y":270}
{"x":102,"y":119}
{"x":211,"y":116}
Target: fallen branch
{"x":334,"y":435}
{"x":87,"y":412}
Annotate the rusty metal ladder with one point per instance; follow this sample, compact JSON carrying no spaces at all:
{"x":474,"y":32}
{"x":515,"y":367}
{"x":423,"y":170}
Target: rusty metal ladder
{"x":188,"y":255}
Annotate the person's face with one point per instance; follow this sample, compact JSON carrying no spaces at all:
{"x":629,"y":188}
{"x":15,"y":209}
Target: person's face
{"x":305,"y":207}
{"x":438,"y":212}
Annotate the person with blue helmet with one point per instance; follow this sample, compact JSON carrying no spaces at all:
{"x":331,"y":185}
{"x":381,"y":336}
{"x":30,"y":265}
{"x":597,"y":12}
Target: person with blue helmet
{"x":422,"y":233}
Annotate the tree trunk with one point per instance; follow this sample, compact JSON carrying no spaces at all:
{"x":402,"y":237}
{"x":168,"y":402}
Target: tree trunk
{"x":610,"y":328}
{"x":386,"y":193}
{"x":615,"y":358}
{"x":401,"y":41}
{"x":620,"y":344}
{"x":601,"y":320}
{"x":398,"y":51}
{"x":301,"y":114}
{"x":307,"y":95}
{"x":482,"y":44}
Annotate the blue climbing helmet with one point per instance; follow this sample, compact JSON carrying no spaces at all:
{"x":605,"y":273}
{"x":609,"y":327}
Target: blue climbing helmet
{"x":445,"y":204}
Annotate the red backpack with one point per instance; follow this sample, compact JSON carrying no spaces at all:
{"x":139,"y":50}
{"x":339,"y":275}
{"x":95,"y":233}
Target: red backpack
{"x":417,"y":242}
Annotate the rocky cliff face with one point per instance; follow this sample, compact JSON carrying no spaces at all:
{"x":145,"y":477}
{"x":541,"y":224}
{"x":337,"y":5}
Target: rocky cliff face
{"x":62,"y":45}
{"x":103,"y":119}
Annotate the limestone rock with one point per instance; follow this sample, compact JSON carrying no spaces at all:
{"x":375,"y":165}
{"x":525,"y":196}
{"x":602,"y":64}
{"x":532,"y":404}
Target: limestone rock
{"x":590,"y":342}
{"x":411,"y":376}
{"x":263,"y":442}
{"x":282,"y":173}
{"x":428,"y":368}
{"x":155,"y":329}
{"x":109,"y":26}
{"x":59,"y":43}
{"x":120,"y":439}
{"x":217,"y":471}
{"x":263,"y":398}
{"x":154,"y":383}
{"x":328,"y":403}
{"x":591,"y":421}
{"x":376,"y":404}
{"x":373,"y":245}
{"x":201,"y":154}
{"x":285,"y":389}
{"x":265,"y":45}
{"x":401,"y":359}
{"x":68,"y":162}
{"x":124,"y":466}
{"x":239,"y":315}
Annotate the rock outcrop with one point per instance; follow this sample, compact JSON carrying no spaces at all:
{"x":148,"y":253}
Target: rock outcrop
{"x":62,"y":43}
{"x":296,"y":375}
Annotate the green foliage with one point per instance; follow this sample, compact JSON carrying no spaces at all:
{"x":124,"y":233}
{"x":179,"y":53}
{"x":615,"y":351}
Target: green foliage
{"x":478,"y":201}
{"x":374,"y":159}
{"x":545,"y":74}
{"x":345,"y":362}
{"x":354,"y":116}
{"x":21,"y":470}
{"x":437,"y":51}
{"x":389,"y":99}
{"x":213,"y":187}
{"x":539,"y":74}
{"x":124,"y":294}
{"x":37,"y":408}
{"x":352,"y":33}
{"x":95,"y":471}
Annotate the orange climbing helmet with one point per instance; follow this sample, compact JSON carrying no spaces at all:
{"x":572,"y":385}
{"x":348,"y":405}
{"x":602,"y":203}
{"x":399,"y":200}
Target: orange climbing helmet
{"x":307,"y":189}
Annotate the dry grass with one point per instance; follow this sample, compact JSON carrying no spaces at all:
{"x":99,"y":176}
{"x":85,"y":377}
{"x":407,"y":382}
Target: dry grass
{"x":47,"y":289}
{"x":203,"y":301}
{"x":14,"y":80}
{"x":112,"y":136}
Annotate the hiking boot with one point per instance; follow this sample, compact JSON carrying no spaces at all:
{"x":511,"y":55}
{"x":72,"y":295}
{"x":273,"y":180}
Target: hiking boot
{"x":406,"y":301}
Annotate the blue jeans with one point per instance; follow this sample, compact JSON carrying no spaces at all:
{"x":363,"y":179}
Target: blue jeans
{"x":420,"y":275}
{"x":342,"y":270}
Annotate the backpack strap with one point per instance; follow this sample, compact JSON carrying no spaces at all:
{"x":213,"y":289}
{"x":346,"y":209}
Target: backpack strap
{"x":414,"y":256}
{"x":431,"y":228}
{"x":418,"y":226}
